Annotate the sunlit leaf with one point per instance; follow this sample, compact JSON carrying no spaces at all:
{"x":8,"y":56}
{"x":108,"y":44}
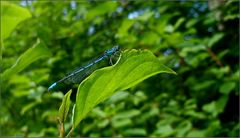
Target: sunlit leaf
{"x":103,"y":123}
{"x":64,"y":108}
{"x":150,"y":38}
{"x":169,"y":29}
{"x":135,"y":132}
{"x":164,"y":131}
{"x":102,"y":8}
{"x":120,"y":96}
{"x":127,"y":114}
{"x":12,"y":15}
{"x":119,"y":123}
{"x":179,"y":22}
{"x":145,"y":16}
{"x":196,"y":133}
{"x":191,"y":22}
{"x":99,"y":112}
{"x":183,"y":128}
{"x":133,"y":67}
{"x":123,"y":29}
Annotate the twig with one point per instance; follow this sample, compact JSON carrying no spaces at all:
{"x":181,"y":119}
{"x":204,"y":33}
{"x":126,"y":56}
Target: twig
{"x":214,"y":57}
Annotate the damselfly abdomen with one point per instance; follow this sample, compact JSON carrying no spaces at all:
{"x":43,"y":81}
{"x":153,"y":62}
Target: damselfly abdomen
{"x":78,"y":75}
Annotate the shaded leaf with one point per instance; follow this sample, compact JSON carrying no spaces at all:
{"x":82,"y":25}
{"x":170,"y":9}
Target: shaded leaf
{"x":221,"y":103}
{"x":227,"y":87}
{"x":29,"y":107}
{"x":215,"y":39}
{"x":216,"y":107}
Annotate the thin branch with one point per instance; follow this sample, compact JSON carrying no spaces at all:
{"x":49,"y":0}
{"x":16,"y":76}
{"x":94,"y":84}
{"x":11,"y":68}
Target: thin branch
{"x":214,"y":57}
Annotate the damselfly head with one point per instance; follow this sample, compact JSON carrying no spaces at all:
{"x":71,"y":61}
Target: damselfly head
{"x":113,"y":50}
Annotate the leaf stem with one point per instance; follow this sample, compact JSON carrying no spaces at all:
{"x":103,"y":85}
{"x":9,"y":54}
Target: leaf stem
{"x":70,"y":132}
{"x":61,"y":129}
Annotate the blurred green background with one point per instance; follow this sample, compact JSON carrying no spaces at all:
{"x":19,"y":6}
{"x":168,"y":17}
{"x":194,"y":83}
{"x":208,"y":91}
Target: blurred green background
{"x":197,"y":39}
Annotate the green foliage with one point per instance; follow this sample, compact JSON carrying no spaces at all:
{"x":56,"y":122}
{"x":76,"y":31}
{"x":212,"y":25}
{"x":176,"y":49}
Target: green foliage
{"x":197,"y":39}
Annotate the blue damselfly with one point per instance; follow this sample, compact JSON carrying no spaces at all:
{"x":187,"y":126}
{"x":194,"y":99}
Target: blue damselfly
{"x":78,"y":75}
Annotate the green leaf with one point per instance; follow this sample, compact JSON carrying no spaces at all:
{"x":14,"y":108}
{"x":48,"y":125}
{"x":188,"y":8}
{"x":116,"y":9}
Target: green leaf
{"x":227,"y":87}
{"x":127,"y":114}
{"x":164,"y":130}
{"x":123,"y":29}
{"x":133,"y":67}
{"x":221,"y":103}
{"x":119,"y":123}
{"x":145,"y":16}
{"x":135,"y":132}
{"x":210,"y":108}
{"x":39,"y":50}
{"x":215,"y":39}
{"x":99,"y":113}
{"x":169,"y":29}
{"x":183,"y":128}
{"x":64,"y":108}
{"x":191,"y":23}
{"x":149,"y":38}
{"x":120,"y":96}
{"x":12,"y":15}
{"x":231,"y":17}
{"x":29,"y":107}
{"x":103,"y":123}
{"x":216,"y":107}
{"x":103,"y":8}
{"x":179,"y":22}
{"x":196,"y":133}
